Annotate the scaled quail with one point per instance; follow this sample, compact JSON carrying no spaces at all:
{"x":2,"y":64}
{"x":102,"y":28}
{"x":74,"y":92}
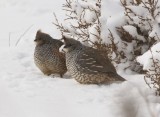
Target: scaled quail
{"x":47,"y":56}
{"x":87,"y":65}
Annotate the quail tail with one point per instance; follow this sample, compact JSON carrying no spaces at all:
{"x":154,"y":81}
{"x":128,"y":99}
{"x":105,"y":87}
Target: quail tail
{"x":116,"y":77}
{"x":120,"y":78}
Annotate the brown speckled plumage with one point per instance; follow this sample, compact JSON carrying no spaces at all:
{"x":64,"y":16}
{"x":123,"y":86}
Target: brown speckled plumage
{"x":47,"y":56}
{"x":87,"y":65}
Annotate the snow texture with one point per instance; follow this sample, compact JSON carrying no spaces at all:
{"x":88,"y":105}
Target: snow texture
{"x":146,"y":60}
{"x":26,"y":92}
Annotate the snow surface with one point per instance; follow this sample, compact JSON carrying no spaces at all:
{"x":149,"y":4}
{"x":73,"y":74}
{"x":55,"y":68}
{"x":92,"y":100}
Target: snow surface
{"x":26,"y":92}
{"x":152,"y":53}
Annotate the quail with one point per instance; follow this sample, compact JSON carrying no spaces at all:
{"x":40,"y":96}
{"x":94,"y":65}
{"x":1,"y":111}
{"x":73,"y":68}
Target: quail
{"x":47,"y":56}
{"x":87,"y":65}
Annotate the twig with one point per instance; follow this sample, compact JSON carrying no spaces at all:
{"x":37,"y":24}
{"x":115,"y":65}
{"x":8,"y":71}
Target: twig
{"x":9,"y":39}
{"x":23,"y":34}
{"x":153,"y":75}
{"x":59,"y":26}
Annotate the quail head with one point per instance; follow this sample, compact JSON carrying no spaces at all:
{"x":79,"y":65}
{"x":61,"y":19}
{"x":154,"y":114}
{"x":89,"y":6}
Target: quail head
{"x":47,"y":56}
{"x":87,"y":65}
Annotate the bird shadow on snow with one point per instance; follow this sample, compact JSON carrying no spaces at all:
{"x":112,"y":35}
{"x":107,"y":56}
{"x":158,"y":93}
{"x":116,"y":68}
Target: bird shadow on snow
{"x":65,"y":76}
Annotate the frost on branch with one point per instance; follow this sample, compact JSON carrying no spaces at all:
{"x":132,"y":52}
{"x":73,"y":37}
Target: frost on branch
{"x":152,"y":77}
{"x":122,"y":33}
{"x":141,"y":29}
{"x":144,"y":17}
{"x":151,"y":62}
{"x":82,"y":19}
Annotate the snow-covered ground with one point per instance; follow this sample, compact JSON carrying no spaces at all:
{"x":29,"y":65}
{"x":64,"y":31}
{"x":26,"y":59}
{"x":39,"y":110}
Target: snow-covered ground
{"x":26,"y":92}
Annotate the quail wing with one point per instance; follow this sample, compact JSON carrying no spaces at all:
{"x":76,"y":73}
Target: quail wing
{"x":91,"y":61}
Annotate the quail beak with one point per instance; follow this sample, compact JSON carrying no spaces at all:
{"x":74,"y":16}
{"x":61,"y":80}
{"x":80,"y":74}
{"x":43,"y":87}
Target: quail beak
{"x":35,"y":40}
{"x":62,"y":49}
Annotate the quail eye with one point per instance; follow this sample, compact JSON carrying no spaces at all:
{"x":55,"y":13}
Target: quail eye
{"x":66,"y":46}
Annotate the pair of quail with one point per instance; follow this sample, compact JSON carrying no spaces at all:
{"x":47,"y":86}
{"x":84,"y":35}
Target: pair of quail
{"x":85,"y":64}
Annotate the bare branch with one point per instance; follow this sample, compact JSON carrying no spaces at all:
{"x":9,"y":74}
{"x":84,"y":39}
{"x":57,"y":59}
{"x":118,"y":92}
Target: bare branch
{"x":9,"y":41}
{"x":23,"y":34}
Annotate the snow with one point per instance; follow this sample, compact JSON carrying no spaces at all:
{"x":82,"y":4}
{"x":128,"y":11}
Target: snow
{"x":88,"y":15}
{"x":25,"y":91}
{"x":147,"y":64}
{"x":156,"y":31}
{"x":114,"y":19}
{"x":111,"y":7}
